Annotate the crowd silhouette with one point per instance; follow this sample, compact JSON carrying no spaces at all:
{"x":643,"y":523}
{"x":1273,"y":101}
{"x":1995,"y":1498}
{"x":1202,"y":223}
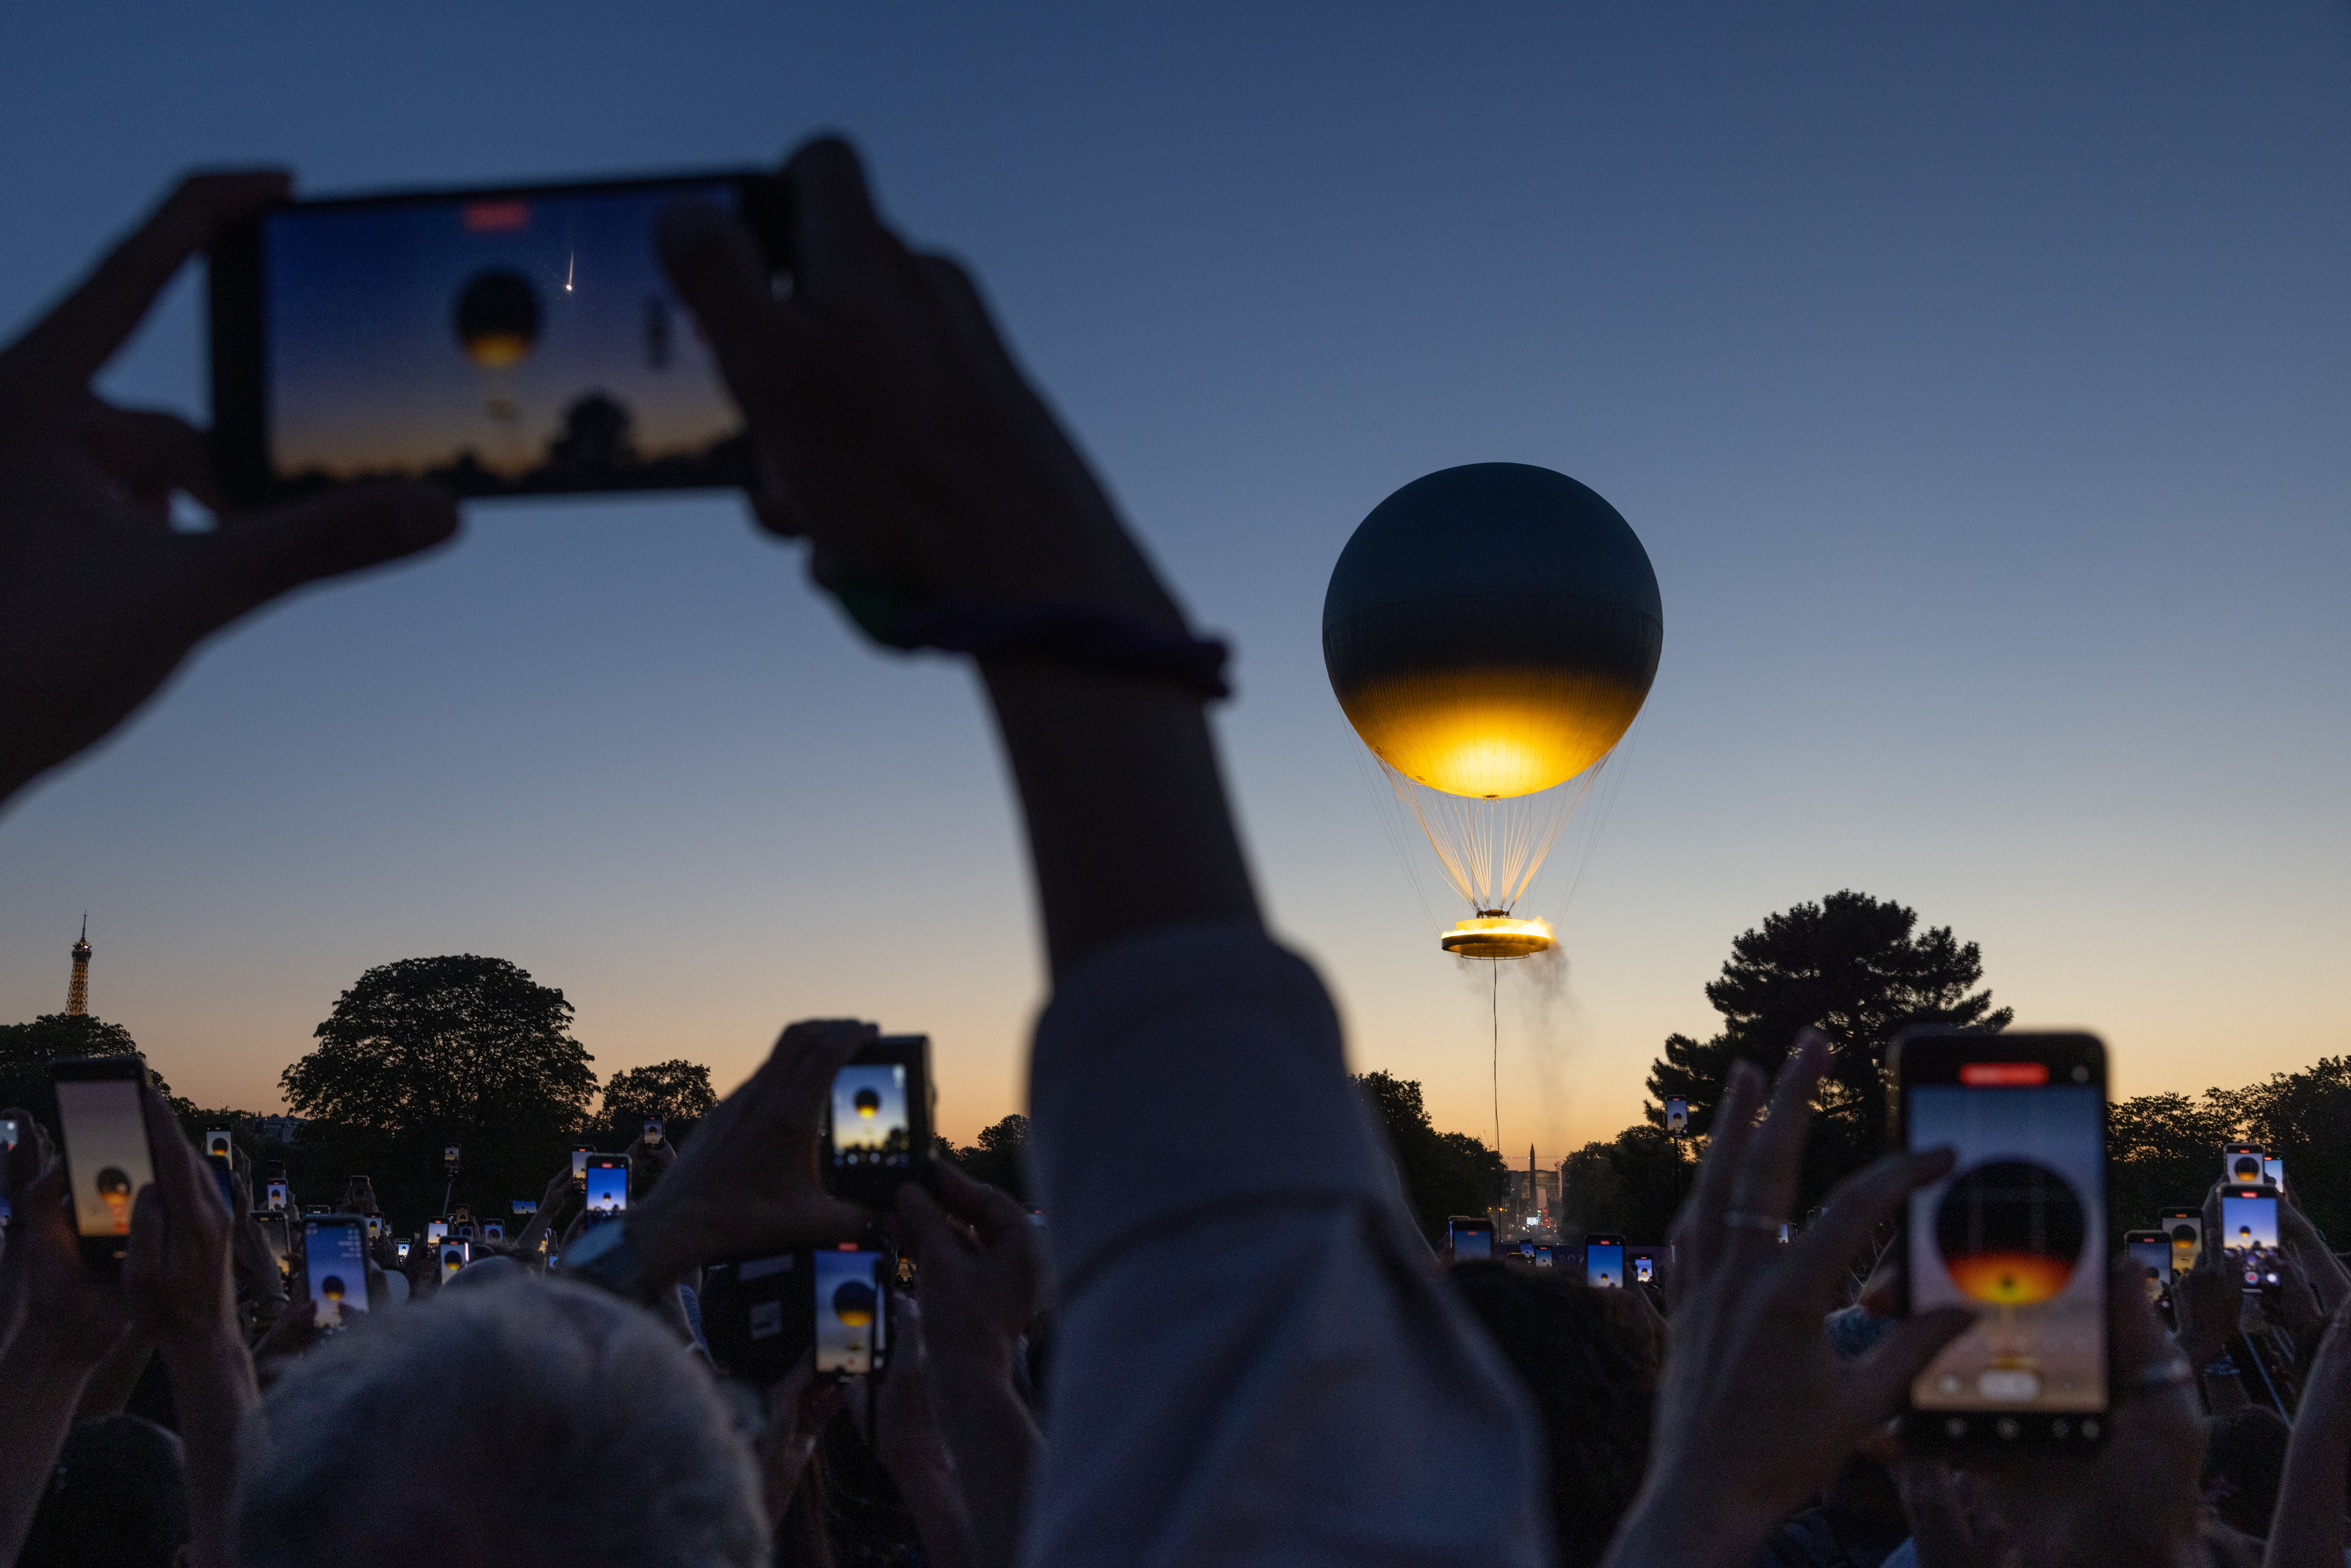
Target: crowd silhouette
{"x":1228,"y":1343}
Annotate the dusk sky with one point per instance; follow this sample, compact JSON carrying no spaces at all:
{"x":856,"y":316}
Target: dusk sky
{"x":1978,"y":378}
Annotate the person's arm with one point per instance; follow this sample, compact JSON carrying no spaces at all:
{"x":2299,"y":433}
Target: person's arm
{"x":2306,"y":1530}
{"x":101,"y":599}
{"x":2206,"y":1302}
{"x":910,"y":1447}
{"x":532,"y":1243}
{"x":983,"y":1281}
{"x":66,"y":1324}
{"x":177,"y":1282}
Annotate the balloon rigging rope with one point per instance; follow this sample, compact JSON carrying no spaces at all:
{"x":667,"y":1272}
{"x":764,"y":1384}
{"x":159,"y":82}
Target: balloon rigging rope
{"x":1497,"y":965}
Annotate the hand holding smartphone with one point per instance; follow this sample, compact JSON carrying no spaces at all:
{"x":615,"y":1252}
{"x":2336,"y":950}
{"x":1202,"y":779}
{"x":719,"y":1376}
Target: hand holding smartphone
{"x":107,"y":1155}
{"x":334,"y":1250}
{"x":877,"y":1128}
{"x":2014,"y":1232}
{"x":2249,"y":1236}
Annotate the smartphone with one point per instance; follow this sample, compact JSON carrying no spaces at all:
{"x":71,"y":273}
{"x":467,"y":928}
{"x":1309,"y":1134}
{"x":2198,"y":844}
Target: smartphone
{"x":400,"y":1251}
{"x":2151,"y":1250}
{"x":277,"y":1198}
{"x":1645,"y":1268}
{"x":1543,"y":1258}
{"x":453,"y":1257}
{"x":360,"y":1188}
{"x":274,"y":1235}
{"x":608,"y":1183}
{"x":878,"y":1121}
{"x":2185,"y":1229}
{"x":653,"y":1132}
{"x":496,"y":340}
{"x":526,"y":1206}
{"x":2249,"y":1236}
{"x":436,"y":1230}
{"x":465,"y":1232}
{"x":1604,"y":1260}
{"x":851,"y":1309}
{"x":7,"y":1133}
{"x":1676,"y":1116}
{"x":449,"y":1159}
{"x":579,"y":1168}
{"x":107,"y":1157}
{"x":2015,"y":1233}
{"x":2274,"y":1168}
{"x":219,"y":1158}
{"x":2240,"y":1161}
{"x":334,"y":1248}
{"x":1471,"y":1238}
{"x":375,"y":1226}
{"x":494,"y":1231}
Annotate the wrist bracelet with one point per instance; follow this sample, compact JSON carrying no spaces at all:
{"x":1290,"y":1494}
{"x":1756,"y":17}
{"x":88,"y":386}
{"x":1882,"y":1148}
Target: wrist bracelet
{"x":1088,"y":635}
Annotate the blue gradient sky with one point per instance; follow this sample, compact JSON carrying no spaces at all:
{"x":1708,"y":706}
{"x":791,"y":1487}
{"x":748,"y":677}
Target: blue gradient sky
{"x":1976,"y":376}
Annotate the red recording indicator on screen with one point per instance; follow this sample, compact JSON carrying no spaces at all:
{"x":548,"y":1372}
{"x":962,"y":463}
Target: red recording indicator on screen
{"x":2004,"y":1074}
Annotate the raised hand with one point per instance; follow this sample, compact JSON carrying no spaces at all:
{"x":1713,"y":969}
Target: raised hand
{"x":749,"y":1187}
{"x":176,"y":1277}
{"x":100,"y":599}
{"x":983,"y":1264}
{"x":1756,"y":1409}
{"x":889,"y":424}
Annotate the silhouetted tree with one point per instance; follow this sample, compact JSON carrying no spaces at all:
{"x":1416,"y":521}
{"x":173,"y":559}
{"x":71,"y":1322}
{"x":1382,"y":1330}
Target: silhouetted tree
{"x":596,"y":437}
{"x":997,"y":1159}
{"x":1629,"y":1186}
{"x":27,"y":1049}
{"x":1443,"y":1173}
{"x":1857,"y":968}
{"x":677,"y":1091}
{"x":429,"y":1051}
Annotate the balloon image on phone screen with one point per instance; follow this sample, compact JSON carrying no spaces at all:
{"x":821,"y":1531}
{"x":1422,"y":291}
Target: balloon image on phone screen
{"x":1604,"y":1260}
{"x":1645,"y":1268}
{"x":2015,"y":1233}
{"x":106,"y":1157}
{"x":2274,"y":1168}
{"x":2241,"y":1163}
{"x":1543,"y":1258}
{"x":849,"y":1317}
{"x":2152,"y":1251}
{"x":2185,"y":1229}
{"x":1471,"y":1238}
{"x":436,"y":1230}
{"x":334,"y":1246}
{"x":454,"y":1255}
{"x":608,"y":1183}
{"x":2249,"y":1236}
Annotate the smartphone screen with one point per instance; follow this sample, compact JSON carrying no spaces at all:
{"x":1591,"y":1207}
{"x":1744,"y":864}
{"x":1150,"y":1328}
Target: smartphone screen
{"x":494,"y":342}
{"x":1644,"y":1268}
{"x":494,"y":1231}
{"x":579,"y":1167}
{"x":453,"y":1256}
{"x":2014,"y":1233}
{"x":526,"y":1206}
{"x":607,"y":1184}
{"x":870,"y":1128}
{"x":1604,"y":1260}
{"x":335,"y":1247}
{"x":2186,"y":1228}
{"x":400,"y":1249}
{"x":2274,"y":1168}
{"x":2240,"y":1161}
{"x":2152,"y":1251}
{"x":1543,"y":1258}
{"x":849,"y":1328}
{"x":436,"y":1230}
{"x":272,"y":1225}
{"x":1471,"y":1238}
{"x":277,"y":1198}
{"x":106,"y":1152}
{"x":653,"y":1132}
{"x":2249,"y":1236}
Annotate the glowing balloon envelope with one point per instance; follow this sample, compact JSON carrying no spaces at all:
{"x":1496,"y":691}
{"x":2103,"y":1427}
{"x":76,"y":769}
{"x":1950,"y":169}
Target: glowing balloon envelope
{"x":498,"y":318}
{"x":852,"y":1303}
{"x":868,"y":1103}
{"x":2010,"y":1232}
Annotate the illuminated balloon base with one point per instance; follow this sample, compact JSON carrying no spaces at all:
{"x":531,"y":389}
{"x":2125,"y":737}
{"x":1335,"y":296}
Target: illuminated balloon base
{"x":1498,"y":936}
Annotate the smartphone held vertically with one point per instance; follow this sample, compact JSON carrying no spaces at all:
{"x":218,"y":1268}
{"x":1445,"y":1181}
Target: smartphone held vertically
{"x":334,"y":1251}
{"x":510,"y":340}
{"x":877,"y":1134}
{"x":606,"y":1185}
{"x":1604,"y":1260}
{"x":2150,"y":1253}
{"x":107,"y":1155}
{"x":2015,"y":1233}
{"x":2185,"y":1229}
{"x":274,"y":1235}
{"x":2249,"y":1236}
{"x":852,"y":1318}
{"x":2240,"y":1161}
{"x":1470,"y":1237}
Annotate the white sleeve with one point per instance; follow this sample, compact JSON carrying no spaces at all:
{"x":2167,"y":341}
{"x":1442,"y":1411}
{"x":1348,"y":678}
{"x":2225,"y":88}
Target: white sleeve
{"x":1253,"y":1359}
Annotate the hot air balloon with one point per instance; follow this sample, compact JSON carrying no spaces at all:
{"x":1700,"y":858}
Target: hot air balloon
{"x":2010,"y":1232}
{"x":1490,"y":631}
{"x":497,"y":320}
{"x":868,"y":1103}
{"x":852,"y":1303}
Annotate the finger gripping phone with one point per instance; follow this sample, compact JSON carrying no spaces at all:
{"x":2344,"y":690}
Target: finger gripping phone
{"x":2014,"y":1233}
{"x":877,"y":1130}
{"x":107,"y":1158}
{"x":495,"y":341}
